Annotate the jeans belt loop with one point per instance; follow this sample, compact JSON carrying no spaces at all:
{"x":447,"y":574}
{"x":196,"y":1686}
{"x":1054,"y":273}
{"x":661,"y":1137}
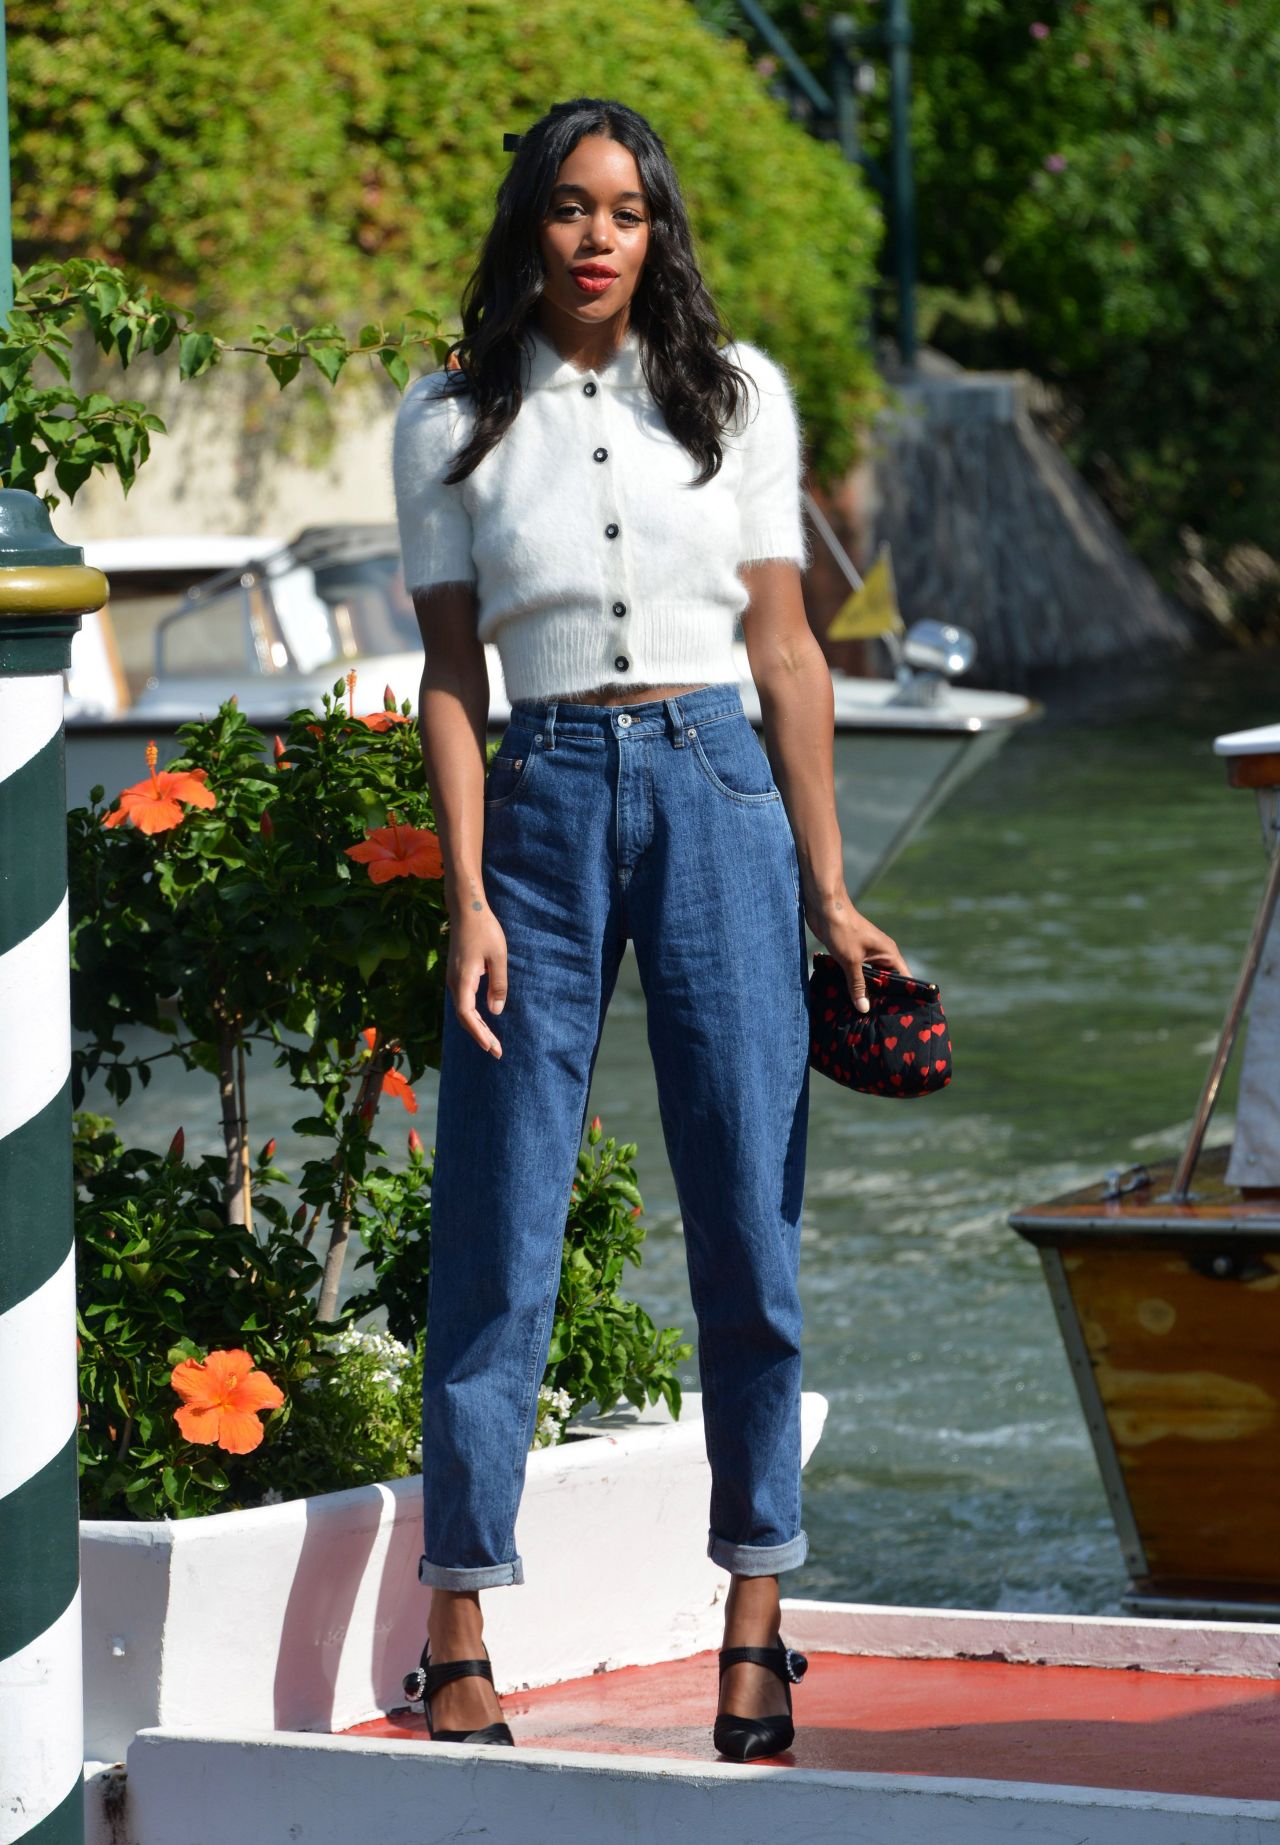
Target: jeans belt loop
{"x":549,"y":726}
{"x":676,"y":721}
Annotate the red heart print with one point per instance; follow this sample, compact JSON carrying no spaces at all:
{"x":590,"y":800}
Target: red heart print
{"x":938,"y":1030}
{"x":906,"y":1019}
{"x":891,"y":1044}
{"x":896,"y":1080}
{"x":924,"y":1036}
{"x":908,"y":1056}
{"x":940,"y":1063}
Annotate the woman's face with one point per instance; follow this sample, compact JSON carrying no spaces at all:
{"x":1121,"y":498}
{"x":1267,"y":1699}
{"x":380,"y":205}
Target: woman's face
{"x":596,"y":228}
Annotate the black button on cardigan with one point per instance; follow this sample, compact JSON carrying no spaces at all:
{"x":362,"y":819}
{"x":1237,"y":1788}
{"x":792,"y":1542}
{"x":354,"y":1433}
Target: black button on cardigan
{"x":611,"y":531}
{"x":588,"y":390}
{"x":619,"y":608}
{"x":601,"y":454}
{"x":622,"y":662}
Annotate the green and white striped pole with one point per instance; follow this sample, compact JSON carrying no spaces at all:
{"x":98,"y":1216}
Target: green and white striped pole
{"x":44,"y":590}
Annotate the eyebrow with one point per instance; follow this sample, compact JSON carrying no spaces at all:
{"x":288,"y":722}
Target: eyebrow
{"x":564,"y":187}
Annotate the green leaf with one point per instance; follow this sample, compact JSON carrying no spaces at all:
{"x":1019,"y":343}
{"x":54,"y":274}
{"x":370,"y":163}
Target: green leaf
{"x":329,"y":359}
{"x":196,"y":353}
{"x":396,"y":367}
{"x":284,"y":366}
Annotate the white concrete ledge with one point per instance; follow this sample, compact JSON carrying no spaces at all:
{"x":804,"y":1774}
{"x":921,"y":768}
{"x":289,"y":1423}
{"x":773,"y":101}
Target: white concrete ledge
{"x":1236,"y":1649}
{"x":187,"y":1789}
{"x":307,"y":1615}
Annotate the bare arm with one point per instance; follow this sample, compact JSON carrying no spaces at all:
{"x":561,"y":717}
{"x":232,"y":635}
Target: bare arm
{"x":453,"y":713}
{"x":798,"y":709}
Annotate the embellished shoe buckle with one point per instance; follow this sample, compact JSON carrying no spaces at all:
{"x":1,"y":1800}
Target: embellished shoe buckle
{"x":797,"y":1665}
{"x":415,"y":1685}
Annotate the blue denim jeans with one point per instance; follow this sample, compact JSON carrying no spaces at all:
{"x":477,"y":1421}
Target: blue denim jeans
{"x":660,"y":822}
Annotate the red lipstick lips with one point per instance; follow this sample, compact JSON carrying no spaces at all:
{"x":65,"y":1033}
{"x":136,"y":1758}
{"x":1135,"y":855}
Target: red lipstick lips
{"x":594,"y":278}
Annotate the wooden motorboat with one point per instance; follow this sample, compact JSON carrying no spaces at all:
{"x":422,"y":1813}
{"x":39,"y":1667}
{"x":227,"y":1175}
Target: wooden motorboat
{"x":1166,"y":1285}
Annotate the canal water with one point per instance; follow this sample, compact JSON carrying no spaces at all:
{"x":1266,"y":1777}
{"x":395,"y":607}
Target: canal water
{"x":1084,"y":904}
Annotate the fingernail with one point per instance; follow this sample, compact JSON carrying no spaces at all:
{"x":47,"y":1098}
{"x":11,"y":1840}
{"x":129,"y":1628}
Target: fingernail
{"x":497,"y":1005}
{"x":863,"y":1005}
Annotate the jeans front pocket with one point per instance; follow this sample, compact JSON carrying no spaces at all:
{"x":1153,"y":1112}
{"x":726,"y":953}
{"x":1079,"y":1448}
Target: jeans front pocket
{"x":733,"y":760}
{"x":508,"y":771}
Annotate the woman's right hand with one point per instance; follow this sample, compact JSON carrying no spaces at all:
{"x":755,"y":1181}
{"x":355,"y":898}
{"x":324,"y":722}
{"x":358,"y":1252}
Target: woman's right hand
{"x":477,"y":944}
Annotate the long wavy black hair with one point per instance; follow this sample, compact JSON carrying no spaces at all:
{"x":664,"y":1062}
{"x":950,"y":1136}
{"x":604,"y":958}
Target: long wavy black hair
{"x":697,"y":389}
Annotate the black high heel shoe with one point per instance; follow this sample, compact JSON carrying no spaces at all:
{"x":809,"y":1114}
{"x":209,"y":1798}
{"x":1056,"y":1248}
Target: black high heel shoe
{"x":743,"y":1739}
{"x":425,"y":1679}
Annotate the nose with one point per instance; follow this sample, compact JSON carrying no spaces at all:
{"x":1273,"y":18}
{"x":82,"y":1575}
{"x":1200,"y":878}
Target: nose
{"x":598,"y":231}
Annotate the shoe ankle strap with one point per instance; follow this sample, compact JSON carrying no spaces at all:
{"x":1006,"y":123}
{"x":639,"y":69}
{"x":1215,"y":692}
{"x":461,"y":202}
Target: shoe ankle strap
{"x":437,"y":1677}
{"x":782,"y":1661}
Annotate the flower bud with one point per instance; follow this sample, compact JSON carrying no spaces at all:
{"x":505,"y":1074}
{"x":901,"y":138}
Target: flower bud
{"x":177,"y":1146}
{"x":268,"y":1153}
{"x":415,"y":1144}
{"x":593,"y":1134}
{"x":300,"y":1217}
{"x":388,"y":699}
{"x":278,"y":747}
{"x":266,"y":825}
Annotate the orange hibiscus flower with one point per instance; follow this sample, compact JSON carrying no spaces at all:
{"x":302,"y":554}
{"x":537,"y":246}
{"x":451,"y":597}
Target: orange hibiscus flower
{"x":398,"y":851}
{"x":383,"y":720}
{"x":393,"y":1084}
{"x":221,"y":1399}
{"x":155,"y":805}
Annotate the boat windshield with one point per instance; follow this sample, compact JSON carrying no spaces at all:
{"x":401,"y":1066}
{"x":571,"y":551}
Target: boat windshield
{"x":287,"y":615}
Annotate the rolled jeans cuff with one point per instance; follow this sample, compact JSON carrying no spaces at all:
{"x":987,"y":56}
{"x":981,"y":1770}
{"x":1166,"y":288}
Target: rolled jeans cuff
{"x":758,"y":1559}
{"x":488,"y":1576}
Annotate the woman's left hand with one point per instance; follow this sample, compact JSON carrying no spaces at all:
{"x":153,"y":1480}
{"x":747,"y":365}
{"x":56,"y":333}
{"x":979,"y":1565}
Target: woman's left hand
{"x":848,"y":935}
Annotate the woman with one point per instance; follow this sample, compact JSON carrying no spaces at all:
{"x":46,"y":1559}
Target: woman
{"x":597,"y":487}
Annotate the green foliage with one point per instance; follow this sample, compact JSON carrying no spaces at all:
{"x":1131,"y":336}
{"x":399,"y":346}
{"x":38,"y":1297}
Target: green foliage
{"x":51,"y":424}
{"x":1098,"y":199}
{"x":248,"y":923}
{"x":313,"y":161}
{"x":603,"y":1346}
{"x":252,"y":912}
{"x":160,"y":1276}
{"x":357,"y":1418}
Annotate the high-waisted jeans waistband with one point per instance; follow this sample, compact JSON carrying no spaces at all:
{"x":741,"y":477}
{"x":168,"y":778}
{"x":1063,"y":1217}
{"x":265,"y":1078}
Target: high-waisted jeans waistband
{"x":645,"y":717}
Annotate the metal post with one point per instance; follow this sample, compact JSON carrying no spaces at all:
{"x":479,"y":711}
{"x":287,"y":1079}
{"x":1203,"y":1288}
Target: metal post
{"x":898,"y":38}
{"x":44,"y":590}
{"x":842,"y":36}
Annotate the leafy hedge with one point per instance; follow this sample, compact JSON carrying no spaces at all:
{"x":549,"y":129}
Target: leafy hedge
{"x":1098,"y":189}
{"x":337,"y":159}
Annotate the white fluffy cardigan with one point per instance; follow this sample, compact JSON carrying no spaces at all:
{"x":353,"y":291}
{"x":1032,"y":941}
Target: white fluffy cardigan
{"x":595,"y":562}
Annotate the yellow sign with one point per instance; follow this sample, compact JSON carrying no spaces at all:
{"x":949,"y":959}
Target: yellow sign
{"x":871,"y":610}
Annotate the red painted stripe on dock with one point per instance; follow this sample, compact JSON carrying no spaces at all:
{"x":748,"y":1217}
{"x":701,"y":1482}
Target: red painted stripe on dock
{"x":1158,"y":1732}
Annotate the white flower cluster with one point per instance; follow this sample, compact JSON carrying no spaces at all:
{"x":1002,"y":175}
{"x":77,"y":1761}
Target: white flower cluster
{"x":392,"y":1357}
{"x":553,"y":1413}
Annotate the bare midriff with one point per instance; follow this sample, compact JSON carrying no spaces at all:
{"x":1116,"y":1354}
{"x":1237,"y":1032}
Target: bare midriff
{"x":625,"y":695}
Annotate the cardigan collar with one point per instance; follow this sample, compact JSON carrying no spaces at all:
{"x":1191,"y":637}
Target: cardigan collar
{"x":548,"y":371}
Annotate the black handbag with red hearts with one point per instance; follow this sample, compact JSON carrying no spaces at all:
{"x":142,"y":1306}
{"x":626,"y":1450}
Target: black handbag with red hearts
{"x":901,"y":1047}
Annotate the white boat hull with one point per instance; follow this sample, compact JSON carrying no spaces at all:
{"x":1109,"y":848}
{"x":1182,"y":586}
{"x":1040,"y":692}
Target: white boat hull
{"x":895,"y":763}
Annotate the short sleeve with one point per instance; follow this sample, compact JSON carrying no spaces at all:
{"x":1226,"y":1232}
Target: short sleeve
{"x":435,"y":527}
{"x":769,"y":504}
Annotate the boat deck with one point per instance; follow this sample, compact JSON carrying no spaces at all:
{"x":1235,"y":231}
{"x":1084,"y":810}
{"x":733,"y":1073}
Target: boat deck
{"x":1155,"y":1732}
